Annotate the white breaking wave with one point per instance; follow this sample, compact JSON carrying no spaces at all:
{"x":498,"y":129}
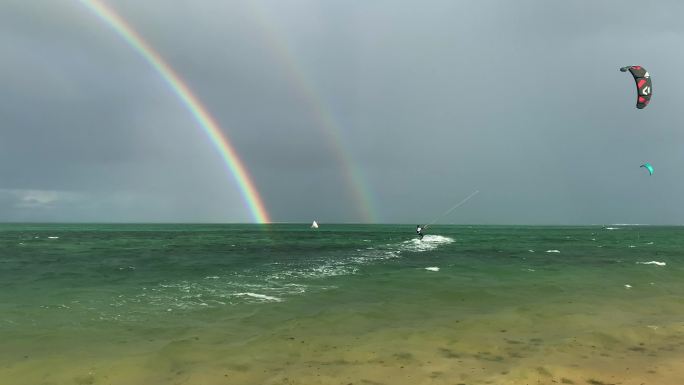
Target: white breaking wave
{"x":653,"y":263}
{"x":612,"y":228}
{"x":53,"y":237}
{"x":432,"y":268}
{"x":429,"y":242}
{"x":553,"y":251}
{"x":262,"y":297}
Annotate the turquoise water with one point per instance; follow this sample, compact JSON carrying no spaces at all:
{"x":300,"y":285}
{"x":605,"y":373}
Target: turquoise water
{"x":285,"y":304}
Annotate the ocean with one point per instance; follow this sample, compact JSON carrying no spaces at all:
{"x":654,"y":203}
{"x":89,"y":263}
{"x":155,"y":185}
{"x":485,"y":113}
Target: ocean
{"x":284,"y":304}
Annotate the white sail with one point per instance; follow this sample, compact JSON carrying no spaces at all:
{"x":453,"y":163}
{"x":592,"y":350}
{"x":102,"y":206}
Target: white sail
{"x":314,"y":225}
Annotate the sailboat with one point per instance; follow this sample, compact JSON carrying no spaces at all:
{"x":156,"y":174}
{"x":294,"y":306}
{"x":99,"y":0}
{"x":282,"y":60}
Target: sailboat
{"x":314,"y":225}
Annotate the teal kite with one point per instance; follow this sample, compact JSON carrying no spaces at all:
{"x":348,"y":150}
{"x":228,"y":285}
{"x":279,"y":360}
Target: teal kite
{"x":648,"y":167}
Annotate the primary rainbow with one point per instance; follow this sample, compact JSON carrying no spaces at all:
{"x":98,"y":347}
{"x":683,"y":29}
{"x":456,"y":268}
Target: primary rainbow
{"x":191,"y":102}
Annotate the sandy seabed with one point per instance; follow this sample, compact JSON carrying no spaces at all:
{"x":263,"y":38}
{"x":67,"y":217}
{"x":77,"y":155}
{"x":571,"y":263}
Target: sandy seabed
{"x":507,"y":347}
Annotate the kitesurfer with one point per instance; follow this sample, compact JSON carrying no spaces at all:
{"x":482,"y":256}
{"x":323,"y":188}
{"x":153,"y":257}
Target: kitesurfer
{"x":419,"y":231}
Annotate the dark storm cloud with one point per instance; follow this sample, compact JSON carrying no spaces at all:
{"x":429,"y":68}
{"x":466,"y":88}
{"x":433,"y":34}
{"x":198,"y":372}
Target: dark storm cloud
{"x":85,"y":117}
{"x":521,"y":100}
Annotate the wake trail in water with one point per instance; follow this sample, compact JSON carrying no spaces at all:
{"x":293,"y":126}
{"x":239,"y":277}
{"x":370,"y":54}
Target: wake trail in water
{"x":275,"y":281}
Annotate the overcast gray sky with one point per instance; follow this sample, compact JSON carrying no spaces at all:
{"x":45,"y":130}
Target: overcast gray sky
{"x":425,"y":101}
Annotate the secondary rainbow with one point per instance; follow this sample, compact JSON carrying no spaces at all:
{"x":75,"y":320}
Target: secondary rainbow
{"x":191,"y":102}
{"x":321,"y":113}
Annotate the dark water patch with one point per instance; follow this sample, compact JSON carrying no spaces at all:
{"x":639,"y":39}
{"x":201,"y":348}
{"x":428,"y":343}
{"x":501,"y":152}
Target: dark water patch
{"x":371,"y":382}
{"x":84,"y":380}
{"x":567,"y":381}
{"x":544,"y":372}
{"x":592,"y":381}
{"x":637,"y":349}
{"x":337,"y":362}
{"x":487,"y":356}
{"x":287,"y":381}
{"x":448,"y":353}
{"x":239,"y":367}
{"x":434,"y":375}
{"x":404,"y":356}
